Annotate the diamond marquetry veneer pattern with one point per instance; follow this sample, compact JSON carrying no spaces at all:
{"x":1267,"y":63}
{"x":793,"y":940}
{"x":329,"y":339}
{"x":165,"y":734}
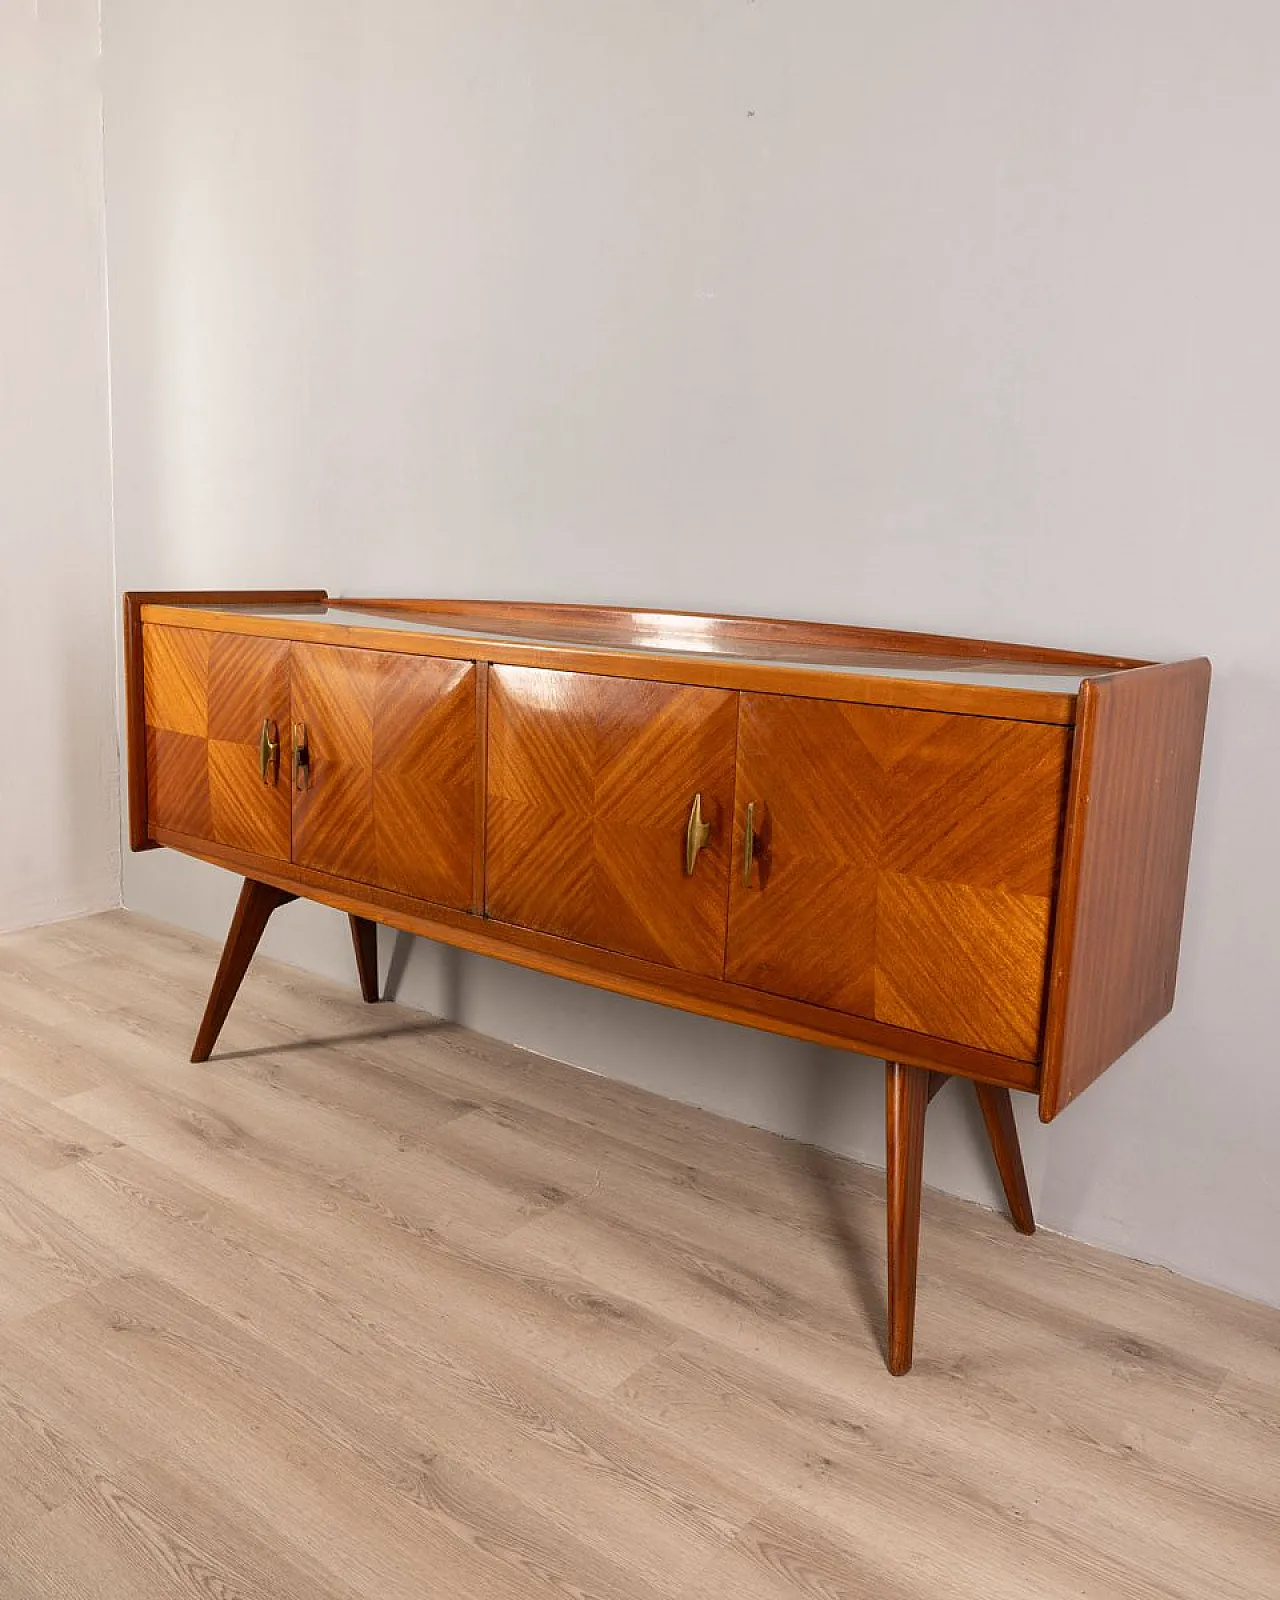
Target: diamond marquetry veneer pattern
{"x":207,"y":695}
{"x":590,"y":784}
{"x":392,"y":792}
{"x":907,"y":864}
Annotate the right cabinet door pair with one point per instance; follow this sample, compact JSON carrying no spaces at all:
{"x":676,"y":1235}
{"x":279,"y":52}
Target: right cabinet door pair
{"x":902,"y":864}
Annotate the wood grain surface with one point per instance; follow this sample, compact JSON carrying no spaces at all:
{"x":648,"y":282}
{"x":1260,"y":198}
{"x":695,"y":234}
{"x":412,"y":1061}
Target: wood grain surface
{"x":906,"y":860}
{"x":394,"y":768}
{"x":590,"y":785}
{"x":1126,"y":857}
{"x":373,"y":1308}
{"x":694,"y":668}
{"x":364,"y":940}
{"x":996,"y":1105}
{"x":906,"y":865}
{"x":134,"y":603}
{"x":719,"y":633}
{"x":206,"y":697}
{"x":644,"y":980}
{"x":254,"y":908}
{"x":906,"y":1102}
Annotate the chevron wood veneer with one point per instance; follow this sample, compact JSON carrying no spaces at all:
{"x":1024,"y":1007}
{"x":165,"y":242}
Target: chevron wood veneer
{"x":589,"y":791}
{"x":391,"y":798}
{"x":966,"y":858}
{"x":906,"y":867}
{"x":207,"y":696}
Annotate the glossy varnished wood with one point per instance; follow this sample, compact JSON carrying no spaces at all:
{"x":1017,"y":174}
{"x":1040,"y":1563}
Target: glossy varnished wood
{"x":249,"y":685}
{"x":906,"y":1102}
{"x":602,"y":627}
{"x":905,"y":865}
{"x":1128,"y":848}
{"x":176,"y":701}
{"x":644,"y":980}
{"x":135,"y":693}
{"x":206,"y":698}
{"x":590,"y":785}
{"x":481,"y":748}
{"x":997,"y":1113}
{"x":909,"y":1092}
{"x":418,"y":1314}
{"x":390,"y":797}
{"x":364,"y":937}
{"x":996,"y":1105}
{"x":253,"y":911}
{"x":821,"y":680}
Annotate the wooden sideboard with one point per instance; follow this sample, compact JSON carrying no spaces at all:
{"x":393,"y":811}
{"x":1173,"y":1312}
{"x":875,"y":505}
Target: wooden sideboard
{"x":968,"y":859}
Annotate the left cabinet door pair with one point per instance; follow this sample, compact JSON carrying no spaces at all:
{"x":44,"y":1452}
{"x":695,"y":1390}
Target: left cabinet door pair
{"x":388,"y":795}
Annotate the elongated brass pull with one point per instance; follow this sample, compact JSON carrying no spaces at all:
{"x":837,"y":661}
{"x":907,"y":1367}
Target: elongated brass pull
{"x":696,"y":835}
{"x":749,"y":843}
{"x":301,"y":757}
{"x":269,"y":750}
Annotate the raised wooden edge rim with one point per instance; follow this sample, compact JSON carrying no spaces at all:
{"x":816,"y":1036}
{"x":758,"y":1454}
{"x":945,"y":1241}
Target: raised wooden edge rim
{"x":749,"y":627}
{"x":814,"y":683}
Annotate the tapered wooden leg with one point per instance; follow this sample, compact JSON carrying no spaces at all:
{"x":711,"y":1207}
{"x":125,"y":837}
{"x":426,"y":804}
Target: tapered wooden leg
{"x":253,"y":909}
{"x":1002,"y":1130}
{"x":906,"y":1100}
{"x":364,"y":935}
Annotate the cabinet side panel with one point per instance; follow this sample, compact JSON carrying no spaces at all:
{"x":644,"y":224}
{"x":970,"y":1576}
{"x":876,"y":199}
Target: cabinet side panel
{"x":1128,"y":847}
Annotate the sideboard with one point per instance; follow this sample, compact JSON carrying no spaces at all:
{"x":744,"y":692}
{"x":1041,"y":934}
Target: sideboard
{"x":968,"y":859}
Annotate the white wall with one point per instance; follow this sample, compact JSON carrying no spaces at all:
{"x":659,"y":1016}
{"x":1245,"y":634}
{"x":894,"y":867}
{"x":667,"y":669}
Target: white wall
{"x":955,"y":314}
{"x":59,"y":821}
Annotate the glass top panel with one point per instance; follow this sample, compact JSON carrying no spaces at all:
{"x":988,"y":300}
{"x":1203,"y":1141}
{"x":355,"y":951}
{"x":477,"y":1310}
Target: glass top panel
{"x":680,"y":638}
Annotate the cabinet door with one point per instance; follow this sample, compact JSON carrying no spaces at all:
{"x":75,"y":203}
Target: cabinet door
{"x":905,"y":866}
{"x":591,"y":782}
{"x":390,"y":795}
{"x":207,"y":697}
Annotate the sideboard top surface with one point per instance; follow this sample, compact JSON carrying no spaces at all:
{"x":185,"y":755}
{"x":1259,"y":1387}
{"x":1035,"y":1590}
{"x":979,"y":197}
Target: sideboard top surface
{"x":824,"y":659}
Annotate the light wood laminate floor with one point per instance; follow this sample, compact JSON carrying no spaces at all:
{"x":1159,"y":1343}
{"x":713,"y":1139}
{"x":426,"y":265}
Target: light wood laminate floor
{"x":370,"y":1306}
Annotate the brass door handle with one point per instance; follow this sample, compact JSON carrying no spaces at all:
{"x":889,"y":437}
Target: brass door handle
{"x":269,"y":750}
{"x":301,"y":757}
{"x":749,"y":842}
{"x":696,"y":835}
